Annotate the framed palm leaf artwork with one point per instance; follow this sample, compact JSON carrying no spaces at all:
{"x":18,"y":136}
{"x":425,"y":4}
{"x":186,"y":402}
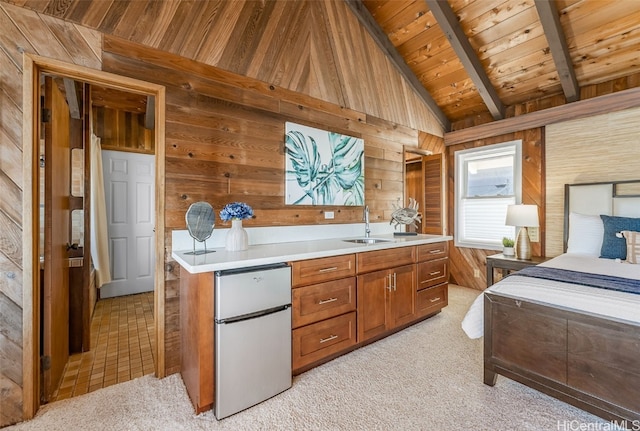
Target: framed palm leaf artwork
{"x":323,"y":168}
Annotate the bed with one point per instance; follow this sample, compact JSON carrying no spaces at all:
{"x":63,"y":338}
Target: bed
{"x":570,"y":339}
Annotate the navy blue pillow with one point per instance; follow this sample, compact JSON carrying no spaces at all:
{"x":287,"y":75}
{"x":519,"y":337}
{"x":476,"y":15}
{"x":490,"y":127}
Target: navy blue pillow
{"x":612,"y":246}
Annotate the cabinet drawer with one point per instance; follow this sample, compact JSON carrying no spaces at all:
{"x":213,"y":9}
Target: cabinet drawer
{"x":324,"y":269}
{"x":322,"y":301}
{"x":436,"y":250}
{"x":382,"y":259}
{"x":432,"y":272}
{"x":431,"y":300}
{"x":314,"y":342}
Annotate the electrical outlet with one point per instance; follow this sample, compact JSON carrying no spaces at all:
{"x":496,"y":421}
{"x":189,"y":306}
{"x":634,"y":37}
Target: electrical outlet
{"x":534,"y":234}
{"x":476,"y":273}
{"x":328,"y":215}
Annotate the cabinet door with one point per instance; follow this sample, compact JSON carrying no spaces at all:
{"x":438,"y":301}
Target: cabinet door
{"x":373,"y":318}
{"x":432,"y":211}
{"x":402,"y":298}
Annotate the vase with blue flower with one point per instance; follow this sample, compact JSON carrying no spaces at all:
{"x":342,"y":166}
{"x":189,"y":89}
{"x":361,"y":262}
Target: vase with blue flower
{"x":237,"y":238}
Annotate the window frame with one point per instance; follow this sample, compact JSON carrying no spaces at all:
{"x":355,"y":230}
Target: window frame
{"x":462,"y":157}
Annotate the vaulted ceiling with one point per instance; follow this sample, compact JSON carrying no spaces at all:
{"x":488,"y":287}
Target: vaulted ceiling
{"x":477,"y":57}
{"x":463,"y":58}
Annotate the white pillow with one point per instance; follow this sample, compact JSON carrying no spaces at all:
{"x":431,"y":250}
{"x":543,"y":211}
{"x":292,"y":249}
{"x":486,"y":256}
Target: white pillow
{"x":585,"y":234}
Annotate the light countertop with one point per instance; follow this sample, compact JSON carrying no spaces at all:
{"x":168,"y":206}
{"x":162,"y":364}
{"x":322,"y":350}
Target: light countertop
{"x":264,"y":254}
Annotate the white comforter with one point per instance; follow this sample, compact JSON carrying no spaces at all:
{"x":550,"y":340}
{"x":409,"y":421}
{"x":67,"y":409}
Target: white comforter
{"x":608,"y":303}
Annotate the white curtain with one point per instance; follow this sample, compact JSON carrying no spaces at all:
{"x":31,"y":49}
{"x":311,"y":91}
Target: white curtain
{"x":99,"y":235}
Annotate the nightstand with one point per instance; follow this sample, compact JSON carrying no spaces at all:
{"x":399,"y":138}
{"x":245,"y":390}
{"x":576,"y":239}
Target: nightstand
{"x":509,"y":263}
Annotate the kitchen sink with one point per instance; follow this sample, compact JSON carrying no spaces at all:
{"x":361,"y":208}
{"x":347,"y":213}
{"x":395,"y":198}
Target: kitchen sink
{"x":367,"y":240}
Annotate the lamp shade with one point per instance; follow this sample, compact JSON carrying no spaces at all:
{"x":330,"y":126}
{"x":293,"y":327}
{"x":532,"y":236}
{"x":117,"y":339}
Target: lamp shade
{"x":522,"y":215}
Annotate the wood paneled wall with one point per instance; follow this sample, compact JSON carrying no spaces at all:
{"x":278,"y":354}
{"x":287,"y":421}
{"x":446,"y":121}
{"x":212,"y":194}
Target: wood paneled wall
{"x":225,"y":131}
{"x":465,"y":262}
{"x":316,"y":48}
{"x":23,"y":31}
{"x":225,"y":142}
{"x":121,"y":130}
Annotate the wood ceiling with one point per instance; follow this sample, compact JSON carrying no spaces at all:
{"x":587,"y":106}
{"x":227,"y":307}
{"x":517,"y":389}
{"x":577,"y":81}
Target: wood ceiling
{"x":476,"y":57}
{"x":464,"y":58}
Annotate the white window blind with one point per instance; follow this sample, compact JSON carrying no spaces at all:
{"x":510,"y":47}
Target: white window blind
{"x":488,"y":179}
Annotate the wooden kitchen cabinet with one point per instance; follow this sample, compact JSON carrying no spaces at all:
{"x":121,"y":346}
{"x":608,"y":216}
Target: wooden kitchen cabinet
{"x":323,"y":313}
{"x":311,"y":271}
{"x":322,"y":341}
{"x":386,"y":300}
{"x":339,"y":303}
{"x":196,"y":330}
{"x":323,"y":300}
{"x":386,"y":290}
{"x":432,"y":278}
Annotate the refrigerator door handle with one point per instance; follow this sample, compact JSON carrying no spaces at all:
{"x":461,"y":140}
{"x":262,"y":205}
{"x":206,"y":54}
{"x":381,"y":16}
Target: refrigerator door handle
{"x":254,"y":315}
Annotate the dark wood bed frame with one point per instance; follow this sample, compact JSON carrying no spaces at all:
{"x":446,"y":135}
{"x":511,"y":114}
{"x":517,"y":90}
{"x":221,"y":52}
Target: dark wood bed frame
{"x":585,"y":360}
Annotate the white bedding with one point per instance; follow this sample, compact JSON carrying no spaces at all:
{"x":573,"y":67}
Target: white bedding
{"x":620,"y":305}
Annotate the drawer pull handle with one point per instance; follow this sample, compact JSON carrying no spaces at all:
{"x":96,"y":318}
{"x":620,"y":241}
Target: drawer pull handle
{"x":435,"y":251}
{"x":326,"y":301}
{"x":331,"y":268}
{"x":434,"y":273}
{"x":435,"y":299}
{"x":329,"y":338}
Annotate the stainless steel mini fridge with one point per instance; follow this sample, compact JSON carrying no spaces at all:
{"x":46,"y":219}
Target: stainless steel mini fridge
{"x":252,"y":336}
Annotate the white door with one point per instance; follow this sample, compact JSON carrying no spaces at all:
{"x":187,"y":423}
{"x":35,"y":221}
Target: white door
{"x":130,"y":198}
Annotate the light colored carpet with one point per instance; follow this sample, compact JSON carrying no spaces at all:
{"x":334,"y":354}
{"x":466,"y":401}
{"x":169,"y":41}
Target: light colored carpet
{"x":428,"y":377}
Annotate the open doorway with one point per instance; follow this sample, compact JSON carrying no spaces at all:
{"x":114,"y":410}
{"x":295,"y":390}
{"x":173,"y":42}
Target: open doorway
{"x":423,"y":182}
{"x":34,"y":337}
{"x":97,"y":181}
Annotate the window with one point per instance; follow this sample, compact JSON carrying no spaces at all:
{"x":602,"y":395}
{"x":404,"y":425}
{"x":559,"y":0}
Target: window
{"x":488,"y":179}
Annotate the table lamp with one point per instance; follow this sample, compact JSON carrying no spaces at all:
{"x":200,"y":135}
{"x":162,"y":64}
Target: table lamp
{"x":522,"y":216}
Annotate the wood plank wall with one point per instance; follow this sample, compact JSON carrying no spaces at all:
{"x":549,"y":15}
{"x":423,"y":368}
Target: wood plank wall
{"x":316,"y":48}
{"x":120,"y":130}
{"x":23,"y":31}
{"x":225,"y":142}
{"x":465,"y":261}
{"x":219,"y":122}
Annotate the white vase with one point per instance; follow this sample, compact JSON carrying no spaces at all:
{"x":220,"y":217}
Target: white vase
{"x":508,"y":251}
{"x":237,"y":238}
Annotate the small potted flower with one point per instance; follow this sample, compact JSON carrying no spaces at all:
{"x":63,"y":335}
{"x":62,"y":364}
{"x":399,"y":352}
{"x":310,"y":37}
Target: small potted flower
{"x":237,"y":238}
{"x":507,"y":246}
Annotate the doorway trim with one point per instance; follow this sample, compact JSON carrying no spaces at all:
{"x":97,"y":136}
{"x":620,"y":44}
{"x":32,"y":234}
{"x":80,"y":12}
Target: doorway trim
{"x":33,"y":66}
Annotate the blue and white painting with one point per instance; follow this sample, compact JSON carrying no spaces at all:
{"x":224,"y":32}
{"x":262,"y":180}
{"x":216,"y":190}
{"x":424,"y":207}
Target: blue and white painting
{"x":323,"y":168}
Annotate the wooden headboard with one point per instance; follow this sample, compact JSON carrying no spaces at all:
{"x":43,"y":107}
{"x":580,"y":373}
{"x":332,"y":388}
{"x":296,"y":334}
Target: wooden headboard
{"x":616,"y":198}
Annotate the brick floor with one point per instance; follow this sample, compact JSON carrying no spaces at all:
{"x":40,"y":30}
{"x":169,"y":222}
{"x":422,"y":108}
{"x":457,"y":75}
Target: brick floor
{"x":122,"y":337}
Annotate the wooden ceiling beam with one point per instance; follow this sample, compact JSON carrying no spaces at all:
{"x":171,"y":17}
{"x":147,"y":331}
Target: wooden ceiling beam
{"x":559,"y":50}
{"x":381,"y":38}
{"x":150,"y":113}
{"x":72,"y":98}
{"x":449,"y":24}
{"x":583,"y":108}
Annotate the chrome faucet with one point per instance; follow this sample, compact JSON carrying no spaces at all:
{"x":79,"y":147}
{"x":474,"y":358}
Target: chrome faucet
{"x":367,"y":231}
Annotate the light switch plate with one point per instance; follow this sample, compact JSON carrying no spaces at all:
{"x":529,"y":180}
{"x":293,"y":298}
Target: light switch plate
{"x":534,"y":234}
{"x":328,"y":215}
